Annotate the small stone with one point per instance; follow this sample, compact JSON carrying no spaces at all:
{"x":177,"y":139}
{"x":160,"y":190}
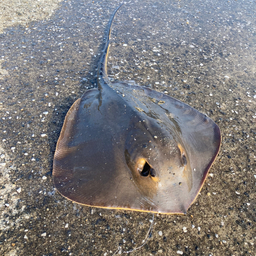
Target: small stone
{"x":4,"y":164}
{"x":160,"y":233}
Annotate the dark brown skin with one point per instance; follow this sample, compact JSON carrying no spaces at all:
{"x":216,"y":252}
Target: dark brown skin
{"x":129,"y":147}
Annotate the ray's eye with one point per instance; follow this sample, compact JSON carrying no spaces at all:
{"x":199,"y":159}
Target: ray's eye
{"x":147,"y":170}
{"x":183,"y":160}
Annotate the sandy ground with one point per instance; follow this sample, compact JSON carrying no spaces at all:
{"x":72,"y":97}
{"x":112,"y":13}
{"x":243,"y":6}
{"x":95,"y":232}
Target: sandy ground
{"x":202,"y":53}
{"x":22,"y":12}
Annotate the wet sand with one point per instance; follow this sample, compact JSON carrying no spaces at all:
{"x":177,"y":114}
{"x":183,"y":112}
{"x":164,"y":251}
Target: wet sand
{"x":202,"y":53}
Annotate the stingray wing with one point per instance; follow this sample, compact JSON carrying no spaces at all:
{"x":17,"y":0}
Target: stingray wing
{"x":199,"y":134}
{"x":89,"y":164}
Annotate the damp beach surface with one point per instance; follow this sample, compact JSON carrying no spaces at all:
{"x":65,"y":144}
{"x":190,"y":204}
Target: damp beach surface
{"x":199,"y":52}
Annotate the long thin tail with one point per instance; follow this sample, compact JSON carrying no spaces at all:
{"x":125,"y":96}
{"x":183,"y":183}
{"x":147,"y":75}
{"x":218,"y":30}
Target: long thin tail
{"x":102,"y":74}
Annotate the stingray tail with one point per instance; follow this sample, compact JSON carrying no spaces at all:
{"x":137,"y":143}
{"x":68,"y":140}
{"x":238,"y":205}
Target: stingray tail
{"x":102,"y":74}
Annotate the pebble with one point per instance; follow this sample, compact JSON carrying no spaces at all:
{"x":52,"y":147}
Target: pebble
{"x":4,"y":164}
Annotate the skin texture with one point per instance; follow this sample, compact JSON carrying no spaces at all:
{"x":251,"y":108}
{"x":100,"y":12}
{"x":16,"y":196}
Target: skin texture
{"x":128,"y":147}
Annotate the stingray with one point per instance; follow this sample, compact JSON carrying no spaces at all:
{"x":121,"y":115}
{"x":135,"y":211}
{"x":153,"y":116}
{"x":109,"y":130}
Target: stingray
{"x":124,"y":146}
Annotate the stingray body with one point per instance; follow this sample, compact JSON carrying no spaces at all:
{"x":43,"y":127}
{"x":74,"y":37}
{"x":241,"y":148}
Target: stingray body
{"x":128,"y":147}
